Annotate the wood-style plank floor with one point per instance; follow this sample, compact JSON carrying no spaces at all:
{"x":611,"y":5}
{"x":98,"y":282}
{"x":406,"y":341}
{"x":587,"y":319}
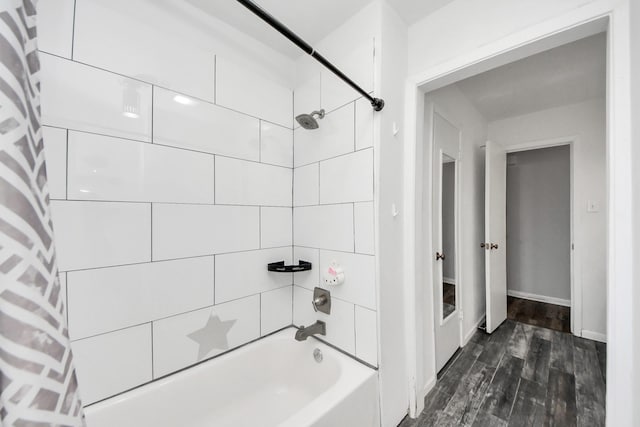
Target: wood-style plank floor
{"x":521,"y":375}
{"x":542,"y":314}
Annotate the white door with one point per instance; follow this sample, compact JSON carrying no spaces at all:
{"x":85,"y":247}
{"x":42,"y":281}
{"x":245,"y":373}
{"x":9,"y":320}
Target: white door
{"x":495,"y":234}
{"x":446,"y":297}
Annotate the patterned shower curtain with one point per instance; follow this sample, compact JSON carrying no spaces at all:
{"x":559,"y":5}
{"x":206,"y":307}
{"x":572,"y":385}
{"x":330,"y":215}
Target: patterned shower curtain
{"x":38,"y":384}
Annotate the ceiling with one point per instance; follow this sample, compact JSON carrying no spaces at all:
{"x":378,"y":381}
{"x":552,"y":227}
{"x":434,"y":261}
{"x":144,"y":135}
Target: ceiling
{"x":568,"y":74}
{"x":310,"y":19}
{"x":414,"y":10}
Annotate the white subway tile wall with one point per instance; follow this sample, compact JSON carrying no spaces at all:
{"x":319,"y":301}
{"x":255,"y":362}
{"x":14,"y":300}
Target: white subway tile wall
{"x":276,"y":227}
{"x":107,"y":168}
{"x":114,"y":362}
{"x":335,"y":136}
{"x":333,"y":199}
{"x":80,"y":97}
{"x":242,"y":89}
{"x":184,"y":230}
{"x":175,"y":177}
{"x":240,"y":182}
{"x":130,"y":38}
{"x":340,"y":323}
{"x":170,"y":171}
{"x":185,"y":122}
{"x":55,"y":151}
{"x":276,"y":309}
{"x":183,"y":340}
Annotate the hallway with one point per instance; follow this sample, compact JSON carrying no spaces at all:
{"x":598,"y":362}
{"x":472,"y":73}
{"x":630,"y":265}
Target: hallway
{"x":521,"y":375}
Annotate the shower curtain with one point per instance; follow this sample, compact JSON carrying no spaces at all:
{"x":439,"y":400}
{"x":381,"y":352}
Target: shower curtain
{"x":38,"y":384}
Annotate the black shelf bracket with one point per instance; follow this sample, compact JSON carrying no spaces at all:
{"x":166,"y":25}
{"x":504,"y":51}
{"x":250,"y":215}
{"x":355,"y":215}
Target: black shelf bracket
{"x":281,"y":268}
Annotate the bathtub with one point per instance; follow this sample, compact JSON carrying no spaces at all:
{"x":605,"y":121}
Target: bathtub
{"x":275,"y":381}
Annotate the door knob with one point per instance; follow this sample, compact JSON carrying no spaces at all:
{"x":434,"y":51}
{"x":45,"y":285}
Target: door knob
{"x":484,"y":246}
{"x":439,"y":256}
{"x":494,"y":246}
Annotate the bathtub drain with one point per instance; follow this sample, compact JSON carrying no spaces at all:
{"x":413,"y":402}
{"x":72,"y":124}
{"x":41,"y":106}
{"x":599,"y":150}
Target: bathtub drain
{"x":317,"y":354}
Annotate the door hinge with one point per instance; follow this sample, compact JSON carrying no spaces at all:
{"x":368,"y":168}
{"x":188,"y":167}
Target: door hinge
{"x":461,"y":315}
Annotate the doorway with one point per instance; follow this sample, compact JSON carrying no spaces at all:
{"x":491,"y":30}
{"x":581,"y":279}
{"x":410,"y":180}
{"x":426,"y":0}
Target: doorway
{"x":539,"y":237}
{"x":469,"y":163}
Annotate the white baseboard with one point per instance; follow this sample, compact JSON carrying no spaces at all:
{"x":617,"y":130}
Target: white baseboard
{"x":539,"y":298}
{"x":449,"y":280}
{"x":470,"y":332}
{"x":431,"y":383}
{"x":429,"y":386}
{"x":596,"y":336}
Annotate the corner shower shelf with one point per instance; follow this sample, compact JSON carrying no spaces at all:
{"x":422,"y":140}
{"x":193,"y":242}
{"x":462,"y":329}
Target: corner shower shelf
{"x":281,"y":268}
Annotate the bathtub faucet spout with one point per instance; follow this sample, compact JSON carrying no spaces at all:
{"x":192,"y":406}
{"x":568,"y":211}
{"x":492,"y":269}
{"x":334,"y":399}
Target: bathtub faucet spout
{"x":318,"y":328}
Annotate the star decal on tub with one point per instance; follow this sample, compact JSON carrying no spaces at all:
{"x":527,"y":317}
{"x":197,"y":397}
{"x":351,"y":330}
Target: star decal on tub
{"x":213,"y":335}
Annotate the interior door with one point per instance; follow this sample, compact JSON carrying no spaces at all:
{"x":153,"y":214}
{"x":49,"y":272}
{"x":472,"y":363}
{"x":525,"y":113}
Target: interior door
{"x":495,"y":234}
{"x":446,"y":143}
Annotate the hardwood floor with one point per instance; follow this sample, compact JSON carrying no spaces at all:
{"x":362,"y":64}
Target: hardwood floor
{"x":541,"y":314}
{"x":521,"y":375}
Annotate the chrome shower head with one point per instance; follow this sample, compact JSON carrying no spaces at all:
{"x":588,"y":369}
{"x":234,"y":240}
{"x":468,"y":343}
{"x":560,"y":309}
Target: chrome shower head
{"x":308,"y":121}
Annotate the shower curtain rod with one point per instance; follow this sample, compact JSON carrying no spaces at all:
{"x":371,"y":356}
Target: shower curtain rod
{"x":376,"y":103}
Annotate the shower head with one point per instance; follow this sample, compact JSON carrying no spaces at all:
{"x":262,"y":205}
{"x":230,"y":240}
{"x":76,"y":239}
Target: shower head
{"x":308,"y":121}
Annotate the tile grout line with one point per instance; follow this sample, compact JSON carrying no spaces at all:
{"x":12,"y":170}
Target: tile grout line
{"x":66,"y":297}
{"x":121,"y":138}
{"x":66,"y":184}
{"x":214,"y":280}
{"x":353,"y":216}
{"x":215,"y":181}
{"x":153,"y":375}
{"x":260,"y":315}
{"x":148,"y":83}
{"x":260,"y":227}
{"x":348,"y":153}
{"x":174,"y":315}
{"x":153,"y":90}
{"x":215,"y":79}
{"x":184,"y":368}
{"x":73,"y":30}
{"x":355,"y":332}
{"x":173,"y":259}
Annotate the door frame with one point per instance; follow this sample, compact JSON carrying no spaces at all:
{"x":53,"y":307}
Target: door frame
{"x":574,"y":280}
{"x":600,"y":15}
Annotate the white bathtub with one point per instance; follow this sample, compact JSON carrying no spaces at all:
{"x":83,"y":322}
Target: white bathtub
{"x":272,"y":382}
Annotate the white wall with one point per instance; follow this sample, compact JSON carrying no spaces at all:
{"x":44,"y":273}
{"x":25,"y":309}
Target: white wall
{"x":168,"y":216}
{"x":635,"y":112}
{"x":453,"y":105}
{"x":465,"y":25}
{"x":538,"y":224}
{"x":586,"y":122}
{"x":391,"y":51}
{"x":346,"y":180}
{"x":334,"y":190}
{"x":484,"y":34}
